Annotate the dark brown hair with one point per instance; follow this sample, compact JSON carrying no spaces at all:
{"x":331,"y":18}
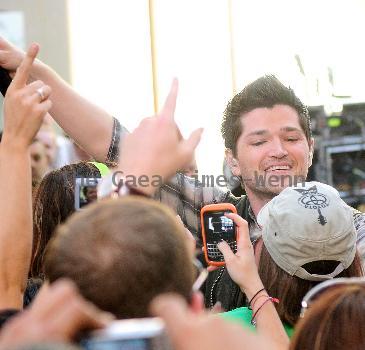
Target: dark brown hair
{"x":54,"y":202}
{"x":121,"y":253}
{"x":267,"y":92}
{"x":334,"y":321}
{"x":290,"y":290}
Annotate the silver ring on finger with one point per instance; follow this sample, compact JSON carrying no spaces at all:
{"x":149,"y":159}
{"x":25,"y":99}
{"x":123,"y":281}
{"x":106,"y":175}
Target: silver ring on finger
{"x":41,"y":93}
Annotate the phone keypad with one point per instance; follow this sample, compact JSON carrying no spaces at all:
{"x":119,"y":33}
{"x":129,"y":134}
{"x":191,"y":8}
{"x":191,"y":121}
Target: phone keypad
{"x":215,"y":254}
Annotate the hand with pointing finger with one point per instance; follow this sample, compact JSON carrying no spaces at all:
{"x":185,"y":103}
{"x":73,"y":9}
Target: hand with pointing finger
{"x":156,"y":146}
{"x":25,"y":105}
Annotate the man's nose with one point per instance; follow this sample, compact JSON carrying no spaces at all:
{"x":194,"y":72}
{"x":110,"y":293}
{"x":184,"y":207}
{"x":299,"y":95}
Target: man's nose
{"x":278,"y":149}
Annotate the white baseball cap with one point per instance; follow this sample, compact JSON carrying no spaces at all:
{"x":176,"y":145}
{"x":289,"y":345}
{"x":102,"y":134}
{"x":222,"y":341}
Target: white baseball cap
{"x":306,"y":223}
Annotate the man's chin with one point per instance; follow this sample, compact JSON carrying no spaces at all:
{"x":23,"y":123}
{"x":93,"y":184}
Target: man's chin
{"x":273,"y":184}
{"x":268,"y":191}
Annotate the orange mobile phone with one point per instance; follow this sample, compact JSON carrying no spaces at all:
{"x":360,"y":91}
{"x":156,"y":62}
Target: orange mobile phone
{"x":215,"y":228}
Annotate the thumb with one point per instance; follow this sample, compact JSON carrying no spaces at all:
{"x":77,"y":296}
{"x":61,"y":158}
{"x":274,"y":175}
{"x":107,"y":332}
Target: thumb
{"x":163,"y":305}
{"x":173,"y":310}
{"x":188,"y":146}
{"x":194,"y":138}
{"x":226,"y":251}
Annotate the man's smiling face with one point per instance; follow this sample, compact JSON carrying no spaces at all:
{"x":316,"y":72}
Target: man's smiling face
{"x":272,"y":150}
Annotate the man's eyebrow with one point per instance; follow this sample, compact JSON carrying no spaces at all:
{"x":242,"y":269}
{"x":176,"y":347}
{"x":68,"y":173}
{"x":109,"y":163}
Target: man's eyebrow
{"x":257,"y":133}
{"x":262,"y":132}
{"x":290,"y":128}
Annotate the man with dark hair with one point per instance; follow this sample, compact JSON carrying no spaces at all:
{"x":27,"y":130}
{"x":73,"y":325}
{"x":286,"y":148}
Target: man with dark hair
{"x":121,"y":254}
{"x":267,"y":134}
{"x":268,"y":140}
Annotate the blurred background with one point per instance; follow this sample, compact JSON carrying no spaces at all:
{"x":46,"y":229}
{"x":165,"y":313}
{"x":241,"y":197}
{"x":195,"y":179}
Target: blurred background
{"x":123,"y":54}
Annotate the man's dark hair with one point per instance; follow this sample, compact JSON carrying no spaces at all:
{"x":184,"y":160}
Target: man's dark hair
{"x":121,"y":253}
{"x":267,"y":92}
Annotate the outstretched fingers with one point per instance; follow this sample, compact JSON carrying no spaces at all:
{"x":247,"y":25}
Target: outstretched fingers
{"x":23,"y":72}
{"x":168,"y":110}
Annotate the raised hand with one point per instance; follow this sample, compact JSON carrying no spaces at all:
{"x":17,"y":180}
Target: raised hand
{"x":156,"y":146}
{"x":25,"y":105}
{"x":243,"y":270}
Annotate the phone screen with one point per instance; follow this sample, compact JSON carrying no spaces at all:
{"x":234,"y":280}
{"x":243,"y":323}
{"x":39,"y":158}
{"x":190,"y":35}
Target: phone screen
{"x":85,"y":191}
{"x":218,"y":227}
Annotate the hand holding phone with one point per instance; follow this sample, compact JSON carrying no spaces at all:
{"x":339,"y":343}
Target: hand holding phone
{"x":242,"y":265}
{"x":216,"y":227}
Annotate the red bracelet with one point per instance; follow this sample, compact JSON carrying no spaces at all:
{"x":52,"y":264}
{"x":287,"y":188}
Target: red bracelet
{"x":253,"y":319}
{"x":257,"y":298}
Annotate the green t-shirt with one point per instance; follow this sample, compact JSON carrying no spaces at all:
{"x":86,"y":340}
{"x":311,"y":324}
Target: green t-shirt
{"x":243,"y":316}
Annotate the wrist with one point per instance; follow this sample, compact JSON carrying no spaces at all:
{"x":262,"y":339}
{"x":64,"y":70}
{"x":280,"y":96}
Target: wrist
{"x":14,"y":145}
{"x":253,"y":289}
{"x":39,"y":69}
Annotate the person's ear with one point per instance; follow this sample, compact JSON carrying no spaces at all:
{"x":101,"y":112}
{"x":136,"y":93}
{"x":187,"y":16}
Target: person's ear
{"x":310,"y":158}
{"x":311,"y":151}
{"x":232,"y":163}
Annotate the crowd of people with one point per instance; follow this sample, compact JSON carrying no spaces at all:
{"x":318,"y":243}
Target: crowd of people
{"x":295,"y":280}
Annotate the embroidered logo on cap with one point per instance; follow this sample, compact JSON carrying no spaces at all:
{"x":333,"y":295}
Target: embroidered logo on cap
{"x":312,"y":199}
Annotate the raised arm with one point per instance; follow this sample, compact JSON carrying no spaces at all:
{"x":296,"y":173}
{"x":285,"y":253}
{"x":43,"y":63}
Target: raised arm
{"x":243,"y":270}
{"x":24,"y":109}
{"x":189,"y":330}
{"x":90,"y":126}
